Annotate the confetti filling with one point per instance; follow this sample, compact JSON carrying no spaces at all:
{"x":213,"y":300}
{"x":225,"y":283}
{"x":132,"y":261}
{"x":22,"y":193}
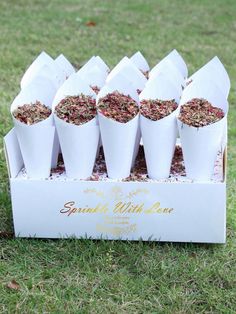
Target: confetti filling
{"x":157,"y":109}
{"x":76,"y":109}
{"x":32,"y":113}
{"x":138,"y":173}
{"x":198,"y":112}
{"x":118,"y":107}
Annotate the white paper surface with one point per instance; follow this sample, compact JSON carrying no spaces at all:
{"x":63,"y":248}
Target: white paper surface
{"x":139,"y":61}
{"x":73,"y":86}
{"x":169,"y":69}
{"x":65,"y":65}
{"x":94,"y":76}
{"x":79,"y":146}
{"x":159,"y":137}
{"x":214,"y":71}
{"x":36,"y":141}
{"x":43,"y":65}
{"x":118,"y":141}
{"x":160,"y":88}
{"x":92,"y":62}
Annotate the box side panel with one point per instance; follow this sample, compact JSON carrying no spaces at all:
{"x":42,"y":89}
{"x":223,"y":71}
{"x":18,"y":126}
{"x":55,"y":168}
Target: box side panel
{"x":13,"y":154}
{"x":149,"y":211}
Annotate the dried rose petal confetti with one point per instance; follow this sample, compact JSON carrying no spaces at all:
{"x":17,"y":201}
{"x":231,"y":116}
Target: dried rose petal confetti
{"x":118,"y":107}
{"x":95,"y":88}
{"x":32,"y":113}
{"x":155,"y":109}
{"x":76,"y":109}
{"x":199,"y":112}
{"x":145,"y":73}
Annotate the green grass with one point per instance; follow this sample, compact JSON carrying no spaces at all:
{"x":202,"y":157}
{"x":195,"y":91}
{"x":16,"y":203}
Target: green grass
{"x":78,"y":276}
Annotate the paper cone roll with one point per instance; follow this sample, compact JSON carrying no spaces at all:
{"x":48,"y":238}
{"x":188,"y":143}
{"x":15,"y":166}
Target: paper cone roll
{"x":170,"y":70}
{"x":207,"y":90}
{"x":159,"y":139}
{"x":213,"y":71}
{"x":130,"y":71}
{"x":177,"y":59}
{"x":136,"y":146}
{"x":73,"y":86}
{"x":118,"y":139}
{"x":45,"y":66}
{"x":94,"y":61}
{"x":140,"y":62}
{"x":160,"y":88}
{"x":120,"y":83}
{"x":200,"y":147}
{"x":93,"y":76}
{"x":36,"y":141}
{"x":65,"y":65}
{"x":118,"y":143}
{"x":79,"y":144}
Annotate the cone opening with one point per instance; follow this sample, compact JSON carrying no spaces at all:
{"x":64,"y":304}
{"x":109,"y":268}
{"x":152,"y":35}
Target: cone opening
{"x":118,"y":107}
{"x":156,"y":109}
{"x":77,"y":110}
{"x":32,"y":113}
{"x":199,"y":112}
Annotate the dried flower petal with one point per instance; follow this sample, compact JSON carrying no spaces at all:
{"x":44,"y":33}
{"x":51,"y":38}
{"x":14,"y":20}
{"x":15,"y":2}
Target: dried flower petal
{"x":155,"y":109}
{"x":32,"y":113}
{"x":76,"y":109}
{"x":145,"y":73}
{"x":95,"y":88}
{"x":199,"y":112}
{"x":118,"y":107}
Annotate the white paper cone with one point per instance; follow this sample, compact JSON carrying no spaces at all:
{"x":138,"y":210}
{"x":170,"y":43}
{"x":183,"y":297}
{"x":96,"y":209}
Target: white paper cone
{"x":213,"y":71}
{"x":94,"y":76}
{"x":177,"y":59}
{"x":160,"y":88}
{"x":44,"y":66}
{"x":118,"y":139}
{"x":172,"y":59}
{"x":36,"y":141}
{"x":120,"y":83}
{"x":130,"y":71}
{"x":65,"y":65}
{"x":159,"y":137}
{"x":132,"y":74}
{"x":73,"y":86}
{"x":200,"y":148}
{"x":200,"y":145}
{"x":118,"y":143}
{"x":139,"y":61}
{"x":79,"y":146}
{"x":136,"y":146}
{"x":169,"y":69}
{"x":207,"y":90}
{"x":94,"y":61}
{"x":79,"y":143}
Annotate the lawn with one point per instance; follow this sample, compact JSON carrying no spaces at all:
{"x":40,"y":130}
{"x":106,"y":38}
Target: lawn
{"x":79,"y":276}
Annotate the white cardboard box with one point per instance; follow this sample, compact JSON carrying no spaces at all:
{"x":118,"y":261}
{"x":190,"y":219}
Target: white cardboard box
{"x":159,"y":211}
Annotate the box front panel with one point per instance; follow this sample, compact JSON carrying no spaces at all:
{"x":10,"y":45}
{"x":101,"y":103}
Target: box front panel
{"x":181,"y":212}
